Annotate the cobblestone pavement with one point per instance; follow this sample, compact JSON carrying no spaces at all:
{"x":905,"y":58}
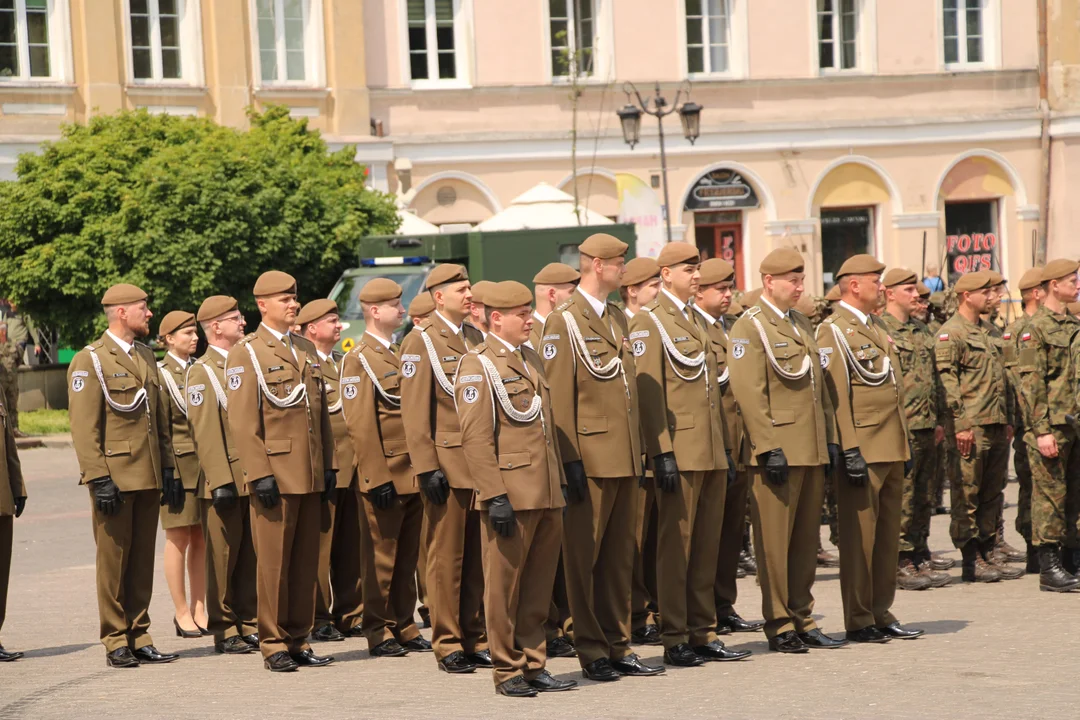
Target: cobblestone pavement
{"x":989,"y":652}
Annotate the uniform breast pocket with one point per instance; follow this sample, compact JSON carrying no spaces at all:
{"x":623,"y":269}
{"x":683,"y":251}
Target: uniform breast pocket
{"x":977,"y":356}
{"x":121,"y":389}
{"x":280,"y":383}
{"x":520,"y":394}
{"x":392,"y":384}
{"x":449,"y":370}
{"x":1057,"y":352}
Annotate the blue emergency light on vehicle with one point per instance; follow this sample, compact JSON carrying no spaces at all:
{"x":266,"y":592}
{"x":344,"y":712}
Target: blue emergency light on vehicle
{"x":375,"y":262}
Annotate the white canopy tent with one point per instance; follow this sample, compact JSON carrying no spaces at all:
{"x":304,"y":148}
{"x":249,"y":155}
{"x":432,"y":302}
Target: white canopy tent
{"x":543,"y":206}
{"x":413,"y":225}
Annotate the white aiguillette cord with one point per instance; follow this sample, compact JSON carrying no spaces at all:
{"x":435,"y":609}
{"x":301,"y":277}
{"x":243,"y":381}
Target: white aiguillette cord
{"x":219,"y":392}
{"x":436,"y":366}
{"x":672,"y":353}
{"x":170,"y":383}
{"x":140,"y":396}
{"x":798,"y":375}
{"x":869,"y":377}
{"x":293,"y":399}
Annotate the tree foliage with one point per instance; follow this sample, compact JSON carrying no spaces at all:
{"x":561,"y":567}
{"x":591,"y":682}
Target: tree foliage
{"x":183,"y":208}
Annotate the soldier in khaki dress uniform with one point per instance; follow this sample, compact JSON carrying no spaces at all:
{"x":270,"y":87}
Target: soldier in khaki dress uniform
{"x":281,"y":424}
{"x":231,"y":598}
{"x":775,"y":370}
{"x":119,"y":426}
{"x":508,"y":437}
{"x":682,"y":419}
{"x":12,"y":504}
{"x":455,"y":576}
{"x":419,"y":309}
{"x":867,"y":391}
{"x":391,"y":513}
{"x":182,"y":518}
{"x":337,"y":610}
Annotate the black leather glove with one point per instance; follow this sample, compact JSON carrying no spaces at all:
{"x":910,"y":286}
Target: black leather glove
{"x":577,"y":485}
{"x":330,"y":482}
{"x":172,"y":490}
{"x":435,"y":486}
{"x":106,"y":496}
{"x":855,"y":467}
{"x":266,"y":490}
{"x":225,"y":497}
{"x":834,"y":458}
{"x":383,"y":496}
{"x":501,"y":513}
{"x":731,"y":472}
{"x":665,"y":471}
{"x":775,"y":464}
{"x":20,"y":505}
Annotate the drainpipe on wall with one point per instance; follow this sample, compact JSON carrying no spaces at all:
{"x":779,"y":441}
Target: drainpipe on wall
{"x":1044,"y":107}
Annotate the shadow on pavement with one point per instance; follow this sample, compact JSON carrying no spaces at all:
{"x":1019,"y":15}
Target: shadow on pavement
{"x":58,"y":650}
{"x":942,"y":627}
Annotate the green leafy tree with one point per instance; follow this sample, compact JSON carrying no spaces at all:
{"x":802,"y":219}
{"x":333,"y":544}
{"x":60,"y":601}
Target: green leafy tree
{"x":183,"y":208}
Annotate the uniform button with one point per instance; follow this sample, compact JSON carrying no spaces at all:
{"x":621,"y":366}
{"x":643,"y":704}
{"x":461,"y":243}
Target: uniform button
{"x":509,"y":466}
{"x":584,"y":429}
{"x":443,"y":442}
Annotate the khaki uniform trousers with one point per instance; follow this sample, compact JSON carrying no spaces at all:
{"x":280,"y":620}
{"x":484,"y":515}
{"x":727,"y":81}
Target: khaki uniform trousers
{"x":421,"y":570}
{"x":731,"y":544}
{"x":125,"y":568}
{"x":519,"y":572}
{"x":687,"y":544}
{"x":559,"y":622}
{"x":340,"y":599}
{"x":455,"y":575}
{"x":643,"y":589}
{"x":232,"y":601}
{"x":6,"y":538}
{"x":786,"y":520}
{"x":389,"y":554}
{"x":287,"y":544}
{"x":598,"y":553}
{"x":869,"y":544}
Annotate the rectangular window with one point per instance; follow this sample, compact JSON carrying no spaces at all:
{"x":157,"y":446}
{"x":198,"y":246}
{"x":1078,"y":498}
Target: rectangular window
{"x":24,"y":39}
{"x":844,"y":233}
{"x":282,"y":28}
{"x":708,"y":36}
{"x":573,"y":37}
{"x":838,"y":30}
{"x":155,"y":39}
{"x":963,"y":34}
{"x":432,"y":43}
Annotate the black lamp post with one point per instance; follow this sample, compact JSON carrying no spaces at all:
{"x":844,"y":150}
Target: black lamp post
{"x":630,"y":119}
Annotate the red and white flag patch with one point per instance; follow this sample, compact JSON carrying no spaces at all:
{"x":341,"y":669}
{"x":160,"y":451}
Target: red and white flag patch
{"x":943,"y":337}
{"x":1026,"y":336}
{"x":1007,"y":336}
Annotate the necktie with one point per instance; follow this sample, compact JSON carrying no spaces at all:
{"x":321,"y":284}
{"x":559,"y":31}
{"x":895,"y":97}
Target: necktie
{"x":521,"y":357}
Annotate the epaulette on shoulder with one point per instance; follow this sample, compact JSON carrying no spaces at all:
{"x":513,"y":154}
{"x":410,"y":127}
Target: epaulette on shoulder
{"x":249,"y":337}
{"x":480,"y":347}
{"x":423,"y":325}
{"x":564,"y":305}
{"x":754,"y":311}
{"x":830,"y":320}
{"x":650,"y":307}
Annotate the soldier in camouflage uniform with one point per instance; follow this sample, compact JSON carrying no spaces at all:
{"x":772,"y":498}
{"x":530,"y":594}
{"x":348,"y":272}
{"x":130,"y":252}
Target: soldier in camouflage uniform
{"x":1047,"y":377}
{"x":942,"y":306}
{"x":9,"y":379}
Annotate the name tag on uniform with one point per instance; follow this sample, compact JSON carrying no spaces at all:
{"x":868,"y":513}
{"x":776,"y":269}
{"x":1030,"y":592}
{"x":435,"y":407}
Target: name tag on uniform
{"x":120,"y":375}
{"x":863,"y":347}
{"x":390,"y":374}
{"x":780,"y":345}
{"x":593,"y":339}
{"x":512,"y":378}
{"x":684,"y":338}
{"x":449,"y":358}
{"x":276,"y":367}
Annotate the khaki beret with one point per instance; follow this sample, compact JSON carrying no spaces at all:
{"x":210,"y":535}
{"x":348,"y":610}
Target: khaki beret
{"x":937,"y":299}
{"x":639,"y":270}
{"x":274,"y":282}
{"x":603,"y":246}
{"x":736,"y":308}
{"x":556,"y":273}
{"x":1032,"y":278}
{"x":1057,"y":269}
{"x":675,"y":253}
{"x":379,"y":290}
{"x":216,"y":306}
{"x":973,"y":281}
{"x":319,"y":308}
{"x":122,"y":294}
{"x":899,"y":276}
{"x":834,"y":294}
{"x":479,"y":291}
{"x":781,"y":261}
{"x":507,"y":294}
{"x":924,"y":292}
{"x":445,"y":273}
{"x":861,"y":264}
{"x":751,"y":298}
{"x":421,"y":305}
{"x":715,"y":270}
{"x":996,"y":278}
{"x":174,"y":321}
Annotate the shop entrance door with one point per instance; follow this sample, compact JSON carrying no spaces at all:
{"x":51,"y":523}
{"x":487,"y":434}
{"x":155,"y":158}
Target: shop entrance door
{"x":844,"y":232}
{"x":719,"y":235}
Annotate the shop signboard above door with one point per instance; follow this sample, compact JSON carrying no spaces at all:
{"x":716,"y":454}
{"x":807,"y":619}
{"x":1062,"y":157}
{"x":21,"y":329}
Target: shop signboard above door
{"x":722,"y":188}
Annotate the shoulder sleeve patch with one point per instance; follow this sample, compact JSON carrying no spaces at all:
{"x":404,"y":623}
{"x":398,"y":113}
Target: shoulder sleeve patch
{"x":471,"y":378}
{"x":639,"y":334}
{"x":410,"y":358}
{"x":556,"y":336}
{"x":234,"y":370}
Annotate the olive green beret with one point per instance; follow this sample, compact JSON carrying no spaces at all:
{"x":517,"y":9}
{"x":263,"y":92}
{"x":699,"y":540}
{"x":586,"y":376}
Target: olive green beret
{"x":1057,"y":269}
{"x":445,"y":273}
{"x":319,"y":308}
{"x":1033,"y":278}
{"x":861,"y":264}
{"x":380,"y":290}
{"x":421,"y":305}
{"x":781,"y":261}
{"x":675,"y":253}
{"x":924,"y":292}
{"x":556,"y":273}
{"x":176,"y":320}
{"x":122,"y":294}
{"x":603,"y":246}
{"x":973,"y":281}
{"x":639,"y":270}
{"x":216,"y":306}
{"x":507,"y":294}
{"x":899,"y":276}
{"x":479,"y":291}
{"x":274,"y":282}
{"x":715,"y":270}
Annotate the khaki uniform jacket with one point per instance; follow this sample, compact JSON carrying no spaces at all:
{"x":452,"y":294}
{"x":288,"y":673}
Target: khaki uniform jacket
{"x":293,"y":444}
{"x":795,"y":415}
{"x":507,"y":457}
{"x":130,"y":447}
{"x":11,"y":477}
{"x":596,"y":421}
{"x":718,"y":343}
{"x":537,"y":333}
{"x":914,"y":346}
{"x":868,"y":417}
{"x":1045,"y":369}
{"x":185,"y":460}
{"x":209,"y":420}
{"x":677,"y":415}
{"x":431,"y":422}
{"x":976,"y":389}
{"x":376,"y":430}
{"x":343,"y":446}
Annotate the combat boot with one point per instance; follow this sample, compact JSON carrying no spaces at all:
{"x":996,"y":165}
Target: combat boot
{"x":1007,"y":553}
{"x":926,"y":569}
{"x":1052,"y":577}
{"x":941,"y":563}
{"x":974,"y":567}
{"x":1032,"y":559}
{"x":994,"y":559}
{"x":908,"y":577}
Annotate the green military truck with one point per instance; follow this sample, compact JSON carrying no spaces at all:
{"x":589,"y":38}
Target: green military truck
{"x":506,"y":255}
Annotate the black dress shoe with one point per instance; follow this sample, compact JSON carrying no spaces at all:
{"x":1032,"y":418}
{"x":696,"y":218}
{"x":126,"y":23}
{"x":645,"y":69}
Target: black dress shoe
{"x":898,"y":631}
{"x":600,"y":670}
{"x":481,"y":658}
{"x":867,"y":635}
{"x":388,"y":648}
{"x":456,"y":663}
{"x":817,"y":639}
{"x":632,"y":665}
{"x":561,"y":647}
{"x":545,"y":682}
{"x":306,"y":658}
{"x":734,"y":623}
{"x":683,"y":656}
{"x":8,"y":656}
{"x":355,"y":631}
{"x":788,"y":642}
{"x":716,"y":652}
{"x":280,"y":662}
{"x":121,"y":658}
{"x":327,"y":633}
{"x":648,"y":635}
{"x":234,"y":645}
{"x":516,"y":687}
{"x":150,"y":654}
{"x":417,"y":644}
{"x":252,"y":639}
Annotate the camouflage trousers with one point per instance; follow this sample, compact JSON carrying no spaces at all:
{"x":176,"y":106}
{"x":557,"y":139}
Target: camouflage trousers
{"x":917,"y":503}
{"x":1055,"y":490}
{"x":1023,"y":477}
{"x":980,"y":490}
{"x":9,"y":382}
{"x":948,"y":470}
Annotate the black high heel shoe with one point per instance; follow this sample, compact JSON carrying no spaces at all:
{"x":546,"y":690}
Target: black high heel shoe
{"x":186,"y":634}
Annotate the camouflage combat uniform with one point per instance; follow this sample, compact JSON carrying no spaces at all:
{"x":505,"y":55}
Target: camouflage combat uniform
{"x":948,"y":470}
{"x":9,"y":380}
{"x":1020,"y":456}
